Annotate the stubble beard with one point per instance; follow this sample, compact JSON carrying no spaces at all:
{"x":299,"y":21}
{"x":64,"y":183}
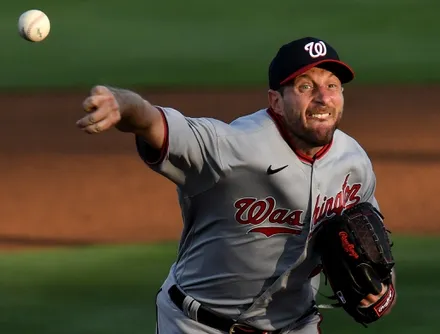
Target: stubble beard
{"x":310,"y":136}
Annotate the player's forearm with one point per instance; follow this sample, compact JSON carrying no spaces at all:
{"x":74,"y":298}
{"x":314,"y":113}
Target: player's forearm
{"x":138,"y":116}
{"x":136,"y":113}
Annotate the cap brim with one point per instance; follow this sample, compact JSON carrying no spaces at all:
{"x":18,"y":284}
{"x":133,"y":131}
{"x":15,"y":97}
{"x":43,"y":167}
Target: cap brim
{"x":340,"y":69}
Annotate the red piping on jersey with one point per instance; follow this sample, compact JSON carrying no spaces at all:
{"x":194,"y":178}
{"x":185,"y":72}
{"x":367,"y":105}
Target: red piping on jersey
{"x":305,"y":158}
{"x":165,"y":143}
{"x":319,"y":323}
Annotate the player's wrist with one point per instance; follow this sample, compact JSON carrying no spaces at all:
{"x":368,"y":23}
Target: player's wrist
{"x":133,"y":110}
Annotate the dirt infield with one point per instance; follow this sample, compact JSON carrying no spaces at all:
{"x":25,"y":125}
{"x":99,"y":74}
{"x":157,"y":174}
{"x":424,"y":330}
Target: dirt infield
{"x":60,"y":186}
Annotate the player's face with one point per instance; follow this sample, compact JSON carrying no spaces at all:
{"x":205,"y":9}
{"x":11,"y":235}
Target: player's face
{"x":312,"y":106}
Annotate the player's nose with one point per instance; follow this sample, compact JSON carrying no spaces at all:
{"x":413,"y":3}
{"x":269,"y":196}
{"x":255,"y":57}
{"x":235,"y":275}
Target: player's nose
{"x":323,"y":96}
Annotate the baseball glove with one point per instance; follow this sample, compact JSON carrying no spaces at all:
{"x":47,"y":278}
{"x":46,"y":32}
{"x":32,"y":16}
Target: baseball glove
{"x":356,"y":256}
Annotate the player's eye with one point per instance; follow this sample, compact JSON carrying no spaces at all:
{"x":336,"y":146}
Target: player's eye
{"x":305,"y":87}
{"x":333,"y":86}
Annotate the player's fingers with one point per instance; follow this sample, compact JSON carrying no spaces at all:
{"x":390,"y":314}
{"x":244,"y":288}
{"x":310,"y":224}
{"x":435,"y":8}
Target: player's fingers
{"x":367,"y":301}
{"x":87,"y":120}
{"x":100,"y":90}
{"x":371,"y":299}
{"x":98,"y":115}
{"x":101,"y":126}
{"x":93,"y":102}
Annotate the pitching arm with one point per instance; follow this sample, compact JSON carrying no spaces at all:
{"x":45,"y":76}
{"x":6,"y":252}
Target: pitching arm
{"x":109,"y":107}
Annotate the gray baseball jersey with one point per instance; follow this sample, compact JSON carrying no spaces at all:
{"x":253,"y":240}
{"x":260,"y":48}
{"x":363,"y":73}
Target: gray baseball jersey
{"x":250,"y":205}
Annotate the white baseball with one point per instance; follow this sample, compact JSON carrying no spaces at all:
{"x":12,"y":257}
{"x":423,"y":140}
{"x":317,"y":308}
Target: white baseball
{"x":34,"y":25}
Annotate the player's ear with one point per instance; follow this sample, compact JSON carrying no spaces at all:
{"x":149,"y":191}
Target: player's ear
{"x":275,"y":100}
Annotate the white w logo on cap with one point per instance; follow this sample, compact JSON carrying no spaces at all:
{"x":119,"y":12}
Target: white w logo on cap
{"x":316,"y":49}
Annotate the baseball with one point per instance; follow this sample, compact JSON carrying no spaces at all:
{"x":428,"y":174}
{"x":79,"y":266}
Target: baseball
{"x":33,"y":25}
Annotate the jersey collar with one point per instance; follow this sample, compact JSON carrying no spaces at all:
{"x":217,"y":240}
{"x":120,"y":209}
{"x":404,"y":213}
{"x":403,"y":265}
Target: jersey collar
{"x":281,"y":128}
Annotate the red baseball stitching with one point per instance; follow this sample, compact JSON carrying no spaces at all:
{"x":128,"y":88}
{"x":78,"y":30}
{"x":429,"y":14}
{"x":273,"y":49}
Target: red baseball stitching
{"x":31,"y":25}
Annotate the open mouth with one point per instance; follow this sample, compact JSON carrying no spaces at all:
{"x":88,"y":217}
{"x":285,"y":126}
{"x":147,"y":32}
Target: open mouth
{"x":320,"y":116}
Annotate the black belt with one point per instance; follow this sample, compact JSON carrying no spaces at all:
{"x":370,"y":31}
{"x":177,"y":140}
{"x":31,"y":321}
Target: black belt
{"x":211,"y":319}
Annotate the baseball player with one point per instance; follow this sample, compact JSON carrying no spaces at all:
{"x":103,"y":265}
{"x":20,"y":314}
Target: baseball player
{"x":252,"y":194}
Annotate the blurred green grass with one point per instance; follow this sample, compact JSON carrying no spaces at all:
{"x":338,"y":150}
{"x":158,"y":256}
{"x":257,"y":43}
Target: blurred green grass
{"x":100,"y":290}
{"x":195,"y":42}
{"x":111,"y":290}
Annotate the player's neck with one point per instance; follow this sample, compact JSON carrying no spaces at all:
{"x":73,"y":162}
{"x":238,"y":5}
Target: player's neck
{"x":305,"y":149}
{"x":302,"y":147}
{"x":298,"y":145}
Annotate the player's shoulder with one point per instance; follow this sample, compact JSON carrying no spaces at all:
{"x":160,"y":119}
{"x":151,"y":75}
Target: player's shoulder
{"x":244,"y":125}
{"x":240,"y":127}
{"x":350,"y":145}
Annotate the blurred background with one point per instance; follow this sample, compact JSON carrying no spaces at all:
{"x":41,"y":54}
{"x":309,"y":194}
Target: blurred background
{"x":88,"y":232}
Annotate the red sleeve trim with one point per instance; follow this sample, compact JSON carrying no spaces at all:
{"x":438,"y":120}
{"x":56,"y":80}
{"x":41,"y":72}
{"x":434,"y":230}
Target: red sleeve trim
{"x":319,"y":324}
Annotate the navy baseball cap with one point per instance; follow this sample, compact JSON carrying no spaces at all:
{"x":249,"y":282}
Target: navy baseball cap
{"x":300,"y":55}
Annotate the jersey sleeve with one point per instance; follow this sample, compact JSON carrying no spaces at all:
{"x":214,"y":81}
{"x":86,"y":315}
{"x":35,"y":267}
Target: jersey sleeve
{"x":369,"y":194}
{"x":189,"y":156}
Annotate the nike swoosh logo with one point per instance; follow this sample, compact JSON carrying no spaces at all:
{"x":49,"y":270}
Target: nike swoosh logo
{"x":271,"y":171}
